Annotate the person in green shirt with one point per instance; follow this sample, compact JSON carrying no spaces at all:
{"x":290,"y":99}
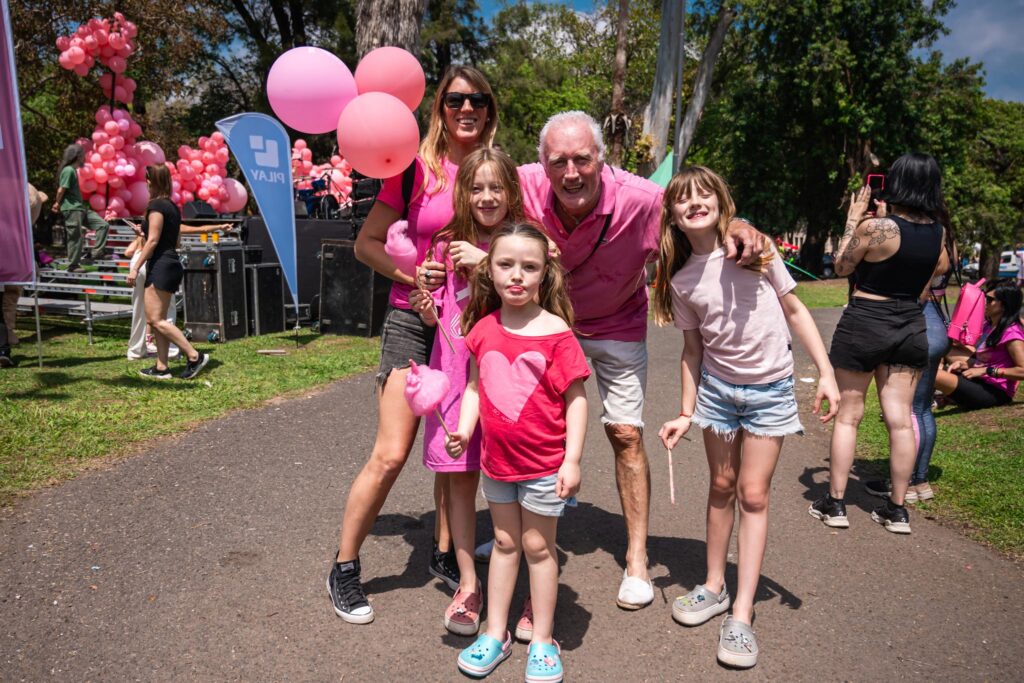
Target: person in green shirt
{"x":76,"y":212}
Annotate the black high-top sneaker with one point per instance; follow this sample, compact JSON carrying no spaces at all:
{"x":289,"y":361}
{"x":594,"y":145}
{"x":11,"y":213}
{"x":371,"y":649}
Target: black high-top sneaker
{"x":347,"y":594}
{"x":444,"y":567}
{"x":893,"y":517}
{"x":831,"y":512}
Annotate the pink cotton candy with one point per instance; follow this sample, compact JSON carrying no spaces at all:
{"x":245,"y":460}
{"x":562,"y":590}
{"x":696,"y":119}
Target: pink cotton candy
{"x":400,"y":248}
{"x":425,"y":388}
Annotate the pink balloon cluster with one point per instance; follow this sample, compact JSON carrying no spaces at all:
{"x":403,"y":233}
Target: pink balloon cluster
{"x":115,"y":164}
{"x":337,"y":171}
{"x":107,"y":41}
{"x":201,"y":173}
{"x":313,"y":91}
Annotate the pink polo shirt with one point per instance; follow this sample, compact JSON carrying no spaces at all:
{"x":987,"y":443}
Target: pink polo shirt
{"x":428,"y":213}
{"x":609,"y":289}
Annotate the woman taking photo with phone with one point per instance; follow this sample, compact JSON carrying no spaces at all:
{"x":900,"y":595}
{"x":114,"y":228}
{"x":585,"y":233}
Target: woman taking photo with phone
{"x":882,"y":333}
{"x":464,"y":117}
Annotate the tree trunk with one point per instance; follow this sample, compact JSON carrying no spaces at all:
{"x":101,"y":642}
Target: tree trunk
{"x":388,"y":22}
{"x":658,"y":111}
{"x":617,"y":118}
{"x":705,"y":73}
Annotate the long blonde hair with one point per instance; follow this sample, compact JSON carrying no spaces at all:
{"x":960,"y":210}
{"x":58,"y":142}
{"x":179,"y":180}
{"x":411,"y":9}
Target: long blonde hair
{"x":553,"y":294}
{"x":675,"y":248}
{"x":462,"y":226}
{"x":434,"y":147}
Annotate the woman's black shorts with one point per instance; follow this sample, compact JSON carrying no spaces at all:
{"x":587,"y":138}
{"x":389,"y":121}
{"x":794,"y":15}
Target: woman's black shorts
{"x":873,"y":333}
{"x":403,"y":337}
{"x":974,"y":394}
{"x":165,"y":272}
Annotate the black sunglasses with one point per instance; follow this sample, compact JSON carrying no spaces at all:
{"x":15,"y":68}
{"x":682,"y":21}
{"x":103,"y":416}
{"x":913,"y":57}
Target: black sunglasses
{"x":478,"y":100}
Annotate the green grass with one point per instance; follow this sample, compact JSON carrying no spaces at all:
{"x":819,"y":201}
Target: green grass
{"x":823,"y":293}
{"x":88,"y":402}
{"x":977,"y":470}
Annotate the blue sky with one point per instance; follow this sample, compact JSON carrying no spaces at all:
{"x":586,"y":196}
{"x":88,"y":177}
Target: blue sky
{"x":986,"y":31}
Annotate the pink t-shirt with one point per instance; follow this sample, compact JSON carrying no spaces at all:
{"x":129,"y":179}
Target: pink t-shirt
{"x":998,"y":356}
{"x":451,"y":300}
{"x":739,"y":315}
{"x":428,"y":213}
{"x":608,"y":289}
{"x":522,"y":407}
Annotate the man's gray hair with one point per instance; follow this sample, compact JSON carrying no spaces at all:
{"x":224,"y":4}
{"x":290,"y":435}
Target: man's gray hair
{"x":566,"y":118}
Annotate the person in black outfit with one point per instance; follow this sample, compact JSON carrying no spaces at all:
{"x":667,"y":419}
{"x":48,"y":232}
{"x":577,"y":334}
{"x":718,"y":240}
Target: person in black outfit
{"x":161,"y":227}
{"x":882,"y":333}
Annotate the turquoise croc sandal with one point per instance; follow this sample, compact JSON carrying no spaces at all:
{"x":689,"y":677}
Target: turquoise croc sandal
{"x":484,"y":655}
{"x":544,"y":663}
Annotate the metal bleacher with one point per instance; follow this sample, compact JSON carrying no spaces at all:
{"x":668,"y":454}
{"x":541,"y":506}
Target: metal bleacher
{"x":99,"y":291}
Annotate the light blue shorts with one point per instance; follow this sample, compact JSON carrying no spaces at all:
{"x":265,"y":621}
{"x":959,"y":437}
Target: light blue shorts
{"x":536,"y":495}
{"x":758,"y":409}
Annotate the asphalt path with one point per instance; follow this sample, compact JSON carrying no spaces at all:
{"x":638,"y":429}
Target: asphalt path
{"x":203,"y":558}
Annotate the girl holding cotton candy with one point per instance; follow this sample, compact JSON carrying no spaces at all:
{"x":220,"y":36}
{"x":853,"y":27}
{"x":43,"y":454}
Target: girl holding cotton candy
{"x":464,"y":117}
{"x":487,"y":197}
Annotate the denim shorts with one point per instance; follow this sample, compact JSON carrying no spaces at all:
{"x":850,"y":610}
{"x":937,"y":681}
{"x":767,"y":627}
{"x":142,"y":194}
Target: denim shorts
{"x":758,"y":409}
{"x":536,"y":495}
{"x":403,"y":337}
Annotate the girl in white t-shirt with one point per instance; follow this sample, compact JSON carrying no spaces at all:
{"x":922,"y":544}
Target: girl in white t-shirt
{"x":737,"y":375}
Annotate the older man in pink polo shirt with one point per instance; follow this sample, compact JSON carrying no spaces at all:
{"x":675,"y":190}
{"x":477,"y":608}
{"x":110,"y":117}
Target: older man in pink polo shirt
{"x":606,"y":224}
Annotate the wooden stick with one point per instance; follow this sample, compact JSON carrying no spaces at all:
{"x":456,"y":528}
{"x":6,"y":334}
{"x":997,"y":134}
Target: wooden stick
{"x":440,"y":327}
{"x":443,"y":425}
{"x":671,"y":479}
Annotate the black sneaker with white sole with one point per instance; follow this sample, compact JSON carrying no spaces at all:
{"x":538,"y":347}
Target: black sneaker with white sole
{"x":193,"y":367}
{"x":830,"y":511}
{"x":347,"y":596}
{"x":156,"y":373}
{"x":444,"y":567}
{"x":881,"y":488}
{"x":893,"y":517}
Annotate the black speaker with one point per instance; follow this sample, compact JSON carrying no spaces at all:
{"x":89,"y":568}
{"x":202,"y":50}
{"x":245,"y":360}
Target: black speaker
{"x":300,"y":209}
{"x":197,"y":209}
{"x":353,"y":298}
{"x":214,"y":292}
{"x":264,"y":289}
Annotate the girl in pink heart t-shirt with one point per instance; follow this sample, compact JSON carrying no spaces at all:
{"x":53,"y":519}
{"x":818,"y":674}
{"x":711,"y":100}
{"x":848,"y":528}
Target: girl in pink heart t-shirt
{"x":526,"y":391}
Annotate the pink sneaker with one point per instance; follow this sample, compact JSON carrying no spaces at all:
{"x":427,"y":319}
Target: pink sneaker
{"x":524,"y":629}
{"x":463,"y":615}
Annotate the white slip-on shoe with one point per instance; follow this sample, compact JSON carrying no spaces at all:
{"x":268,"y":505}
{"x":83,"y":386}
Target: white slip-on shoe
{"x":634,"y":592}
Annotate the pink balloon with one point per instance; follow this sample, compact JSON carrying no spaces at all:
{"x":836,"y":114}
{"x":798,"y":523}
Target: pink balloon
{"x":115,"y":181}
{"x":187,"y":196}
{"x":116,"y":40}
{"x":117,"y":141}
{"x":100,"y":137}
{"x":197,"y":166}
{"x":117,"y":64}
{"x":222,"y":155}
{"x":214,"y":202}
{"x":102,"y":36}
{"x":102,"y":115}
{"x":378,"y":135}
{"x":96,"y":159}
{"x":335,"y":160}
{"x":212,"y":169}
{"x":88,"y":186}
{"x":394,"y":71}
{"x":130,"y":170}
{"x":97,"y":202}
{"x":81,"y":70}
{"x":63,"y":43}
{"x":111,"y":128}
{"x":216,"y":181}
{"x":176,"y":198}
{"x":208,"y":158}
{"x":106,"y":52}
{"x":203,"y":193}
{"x":124,"y":125}
{"x":140,"y":197}
{"x":76,"y":55}
{"x":218,"y":136}
{"x":307,"y":154}
{"x":308,"y":88}
{"x":91,"y":43}
{"x":107,"y":151}
{"x":85,"y":172}
{"x":149,"y":153}
{"x":65,"y":61}
{"x":122,"y":95}
{"x":299,"y":144}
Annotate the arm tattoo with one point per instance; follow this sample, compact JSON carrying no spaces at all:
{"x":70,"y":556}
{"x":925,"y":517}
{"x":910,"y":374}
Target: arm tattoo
{"x":847,"y":257}
{"x":880,"y":231}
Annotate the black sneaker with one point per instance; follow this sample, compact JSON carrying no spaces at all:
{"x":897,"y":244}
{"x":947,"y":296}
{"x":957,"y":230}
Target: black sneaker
{"x":74,"y":268}
{"x":5,"y":359}
{"x":87,"y":260}
{"x":893,"y":517}
{"x":444,"y":567}
{"x":830,"y":511}
{"x":155,"y":373}
{"x":347,"y":594}
{"x":879,"y":487}
{"x":193,"y":367}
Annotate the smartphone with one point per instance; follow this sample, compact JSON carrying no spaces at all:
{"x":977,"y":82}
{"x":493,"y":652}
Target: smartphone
{"x":876,"y":181}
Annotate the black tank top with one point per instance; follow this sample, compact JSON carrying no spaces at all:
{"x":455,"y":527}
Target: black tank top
{"x":905,"y":274}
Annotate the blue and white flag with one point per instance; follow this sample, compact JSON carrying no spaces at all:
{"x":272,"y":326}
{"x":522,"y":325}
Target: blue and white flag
{"x":261,"y":147}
